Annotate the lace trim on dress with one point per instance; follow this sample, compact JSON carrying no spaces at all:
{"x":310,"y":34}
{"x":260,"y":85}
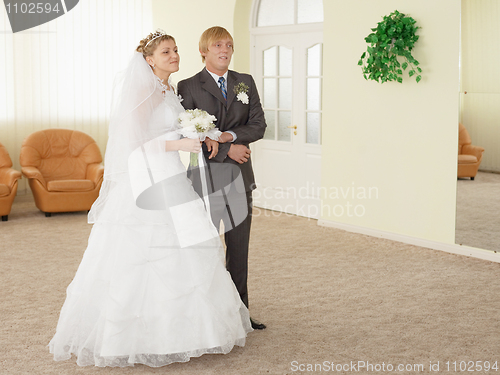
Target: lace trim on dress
{"x":164,"y":87}
{"x":86,"y":357}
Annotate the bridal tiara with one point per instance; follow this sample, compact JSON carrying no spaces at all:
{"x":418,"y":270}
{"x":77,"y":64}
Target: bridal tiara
{"x":156,"y":34}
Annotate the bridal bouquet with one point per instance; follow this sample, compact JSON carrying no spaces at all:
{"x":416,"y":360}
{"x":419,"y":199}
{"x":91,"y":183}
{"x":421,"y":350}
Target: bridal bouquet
{"x":197,"y":123}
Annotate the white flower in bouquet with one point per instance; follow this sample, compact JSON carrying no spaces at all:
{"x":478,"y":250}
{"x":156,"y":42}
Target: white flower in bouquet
{"x":197,"y":123}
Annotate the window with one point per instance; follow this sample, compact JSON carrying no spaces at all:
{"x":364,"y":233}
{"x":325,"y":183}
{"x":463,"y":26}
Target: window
{"x":289,"y":12}
{"x":60,"y":74}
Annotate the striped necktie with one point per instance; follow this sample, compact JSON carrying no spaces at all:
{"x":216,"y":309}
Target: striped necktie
{"x":222,"y":83}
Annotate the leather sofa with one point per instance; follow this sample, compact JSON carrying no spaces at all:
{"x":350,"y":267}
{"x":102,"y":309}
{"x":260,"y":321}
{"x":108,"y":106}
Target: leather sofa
{"x":63,"y":168}
{"x":469,"y":156}
{"x":8,"y":183}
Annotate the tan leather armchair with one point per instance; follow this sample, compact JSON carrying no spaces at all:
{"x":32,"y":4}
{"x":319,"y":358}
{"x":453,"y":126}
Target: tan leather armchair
{"x":8,"y":183}
{"x":64,"y":169}
{"x":469,"y":156}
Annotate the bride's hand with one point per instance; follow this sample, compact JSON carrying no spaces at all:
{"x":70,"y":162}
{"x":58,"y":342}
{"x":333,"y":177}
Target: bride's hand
{"x":189,"y":145}
{"x":212,"y":146}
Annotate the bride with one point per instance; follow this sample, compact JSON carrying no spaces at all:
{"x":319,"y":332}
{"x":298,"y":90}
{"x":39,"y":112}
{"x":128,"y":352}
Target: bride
{"x":152,"y":287}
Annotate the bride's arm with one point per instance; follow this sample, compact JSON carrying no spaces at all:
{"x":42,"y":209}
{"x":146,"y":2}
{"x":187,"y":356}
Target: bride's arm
{"x":184,"y":144}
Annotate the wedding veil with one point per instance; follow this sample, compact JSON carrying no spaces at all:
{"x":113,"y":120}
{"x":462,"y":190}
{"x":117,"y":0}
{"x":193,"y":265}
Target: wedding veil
{"x":135,"y":96}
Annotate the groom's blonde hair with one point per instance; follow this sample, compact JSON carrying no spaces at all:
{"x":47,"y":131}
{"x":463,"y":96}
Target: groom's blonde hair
{"x":212,"y":35}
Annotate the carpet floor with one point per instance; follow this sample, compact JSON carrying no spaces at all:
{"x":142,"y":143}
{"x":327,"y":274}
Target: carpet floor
{"x":330,"y":298}
{"x":478,"y":211}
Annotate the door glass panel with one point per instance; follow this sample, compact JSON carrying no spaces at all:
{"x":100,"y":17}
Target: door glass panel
{"x":277,"y":87}
{"x":313,"y":102}
{"x":270,"y":61}
{"x":271,"y":124}
{"x":314,"y":93}
{"x":276,"y":12}
{"x":314,"y":60}
{"x":284,"y":121}
{"x":309,"y":11}
{"x":285,"y":93}
{"x":285,"y":61}
{"x":313,"y":127}
{"x":270,"y":92}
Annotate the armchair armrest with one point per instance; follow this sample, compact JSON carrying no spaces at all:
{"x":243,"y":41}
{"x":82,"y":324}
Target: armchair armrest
{"x":473,"y":150}
{"x":95,"y":172}
{"x":34,"y":173}
{"x":9,"y":176}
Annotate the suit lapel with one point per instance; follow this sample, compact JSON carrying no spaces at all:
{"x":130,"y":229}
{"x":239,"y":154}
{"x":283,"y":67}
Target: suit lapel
{"x":208,"y":83}
{"x":231,"y":82}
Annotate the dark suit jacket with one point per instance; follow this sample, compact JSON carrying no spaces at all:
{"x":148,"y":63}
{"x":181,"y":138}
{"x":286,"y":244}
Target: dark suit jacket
{"x":245,"y":120}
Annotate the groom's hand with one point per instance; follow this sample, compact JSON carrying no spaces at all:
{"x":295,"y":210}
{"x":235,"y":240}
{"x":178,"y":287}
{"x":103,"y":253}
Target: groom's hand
{"x":239,"y":153}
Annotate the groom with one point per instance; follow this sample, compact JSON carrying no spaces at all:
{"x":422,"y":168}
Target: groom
{"x":233,"y":99}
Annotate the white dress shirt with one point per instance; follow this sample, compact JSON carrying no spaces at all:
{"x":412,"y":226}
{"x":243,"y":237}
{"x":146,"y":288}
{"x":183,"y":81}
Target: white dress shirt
{"x":216,"y":79}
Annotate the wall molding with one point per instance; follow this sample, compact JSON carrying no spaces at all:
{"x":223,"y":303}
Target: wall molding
{"x":472,"y":252}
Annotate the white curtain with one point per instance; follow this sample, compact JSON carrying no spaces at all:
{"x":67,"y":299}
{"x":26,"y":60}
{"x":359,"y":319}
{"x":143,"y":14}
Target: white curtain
{"x":480,"y":77}
{"x":60,"y":74}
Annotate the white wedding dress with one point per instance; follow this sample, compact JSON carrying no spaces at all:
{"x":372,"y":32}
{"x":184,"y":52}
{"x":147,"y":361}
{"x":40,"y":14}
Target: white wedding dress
{"x":151,"y":287}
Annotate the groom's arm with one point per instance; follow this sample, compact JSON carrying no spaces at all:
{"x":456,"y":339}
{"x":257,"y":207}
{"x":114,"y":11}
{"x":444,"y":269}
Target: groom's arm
{"x":254,"y":128}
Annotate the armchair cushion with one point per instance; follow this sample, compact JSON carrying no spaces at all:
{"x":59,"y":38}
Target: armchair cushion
{"x":70,"y":185}
{"x":467,"y":159}
{"x":473,"y":150}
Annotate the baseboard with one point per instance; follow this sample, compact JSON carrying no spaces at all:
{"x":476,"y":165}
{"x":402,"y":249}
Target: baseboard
{"x":473,"y":252}
{"x":489,"y":171}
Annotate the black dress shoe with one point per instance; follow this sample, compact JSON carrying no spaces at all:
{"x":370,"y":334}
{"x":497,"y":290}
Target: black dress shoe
{"x":256,"y":324}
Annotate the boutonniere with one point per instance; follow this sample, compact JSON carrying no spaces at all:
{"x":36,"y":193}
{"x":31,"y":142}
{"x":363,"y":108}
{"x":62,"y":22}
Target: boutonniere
{"x":241,"y":91}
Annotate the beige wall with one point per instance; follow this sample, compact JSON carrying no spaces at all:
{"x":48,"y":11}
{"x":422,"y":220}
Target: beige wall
{"x":398,"y":138}
{"x":241,"y":59}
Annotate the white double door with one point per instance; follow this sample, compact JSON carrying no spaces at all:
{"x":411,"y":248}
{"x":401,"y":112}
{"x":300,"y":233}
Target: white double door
{"x":287,"y":162}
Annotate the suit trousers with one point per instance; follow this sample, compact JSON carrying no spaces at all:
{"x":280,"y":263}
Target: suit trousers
{"x":237,"y":240}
